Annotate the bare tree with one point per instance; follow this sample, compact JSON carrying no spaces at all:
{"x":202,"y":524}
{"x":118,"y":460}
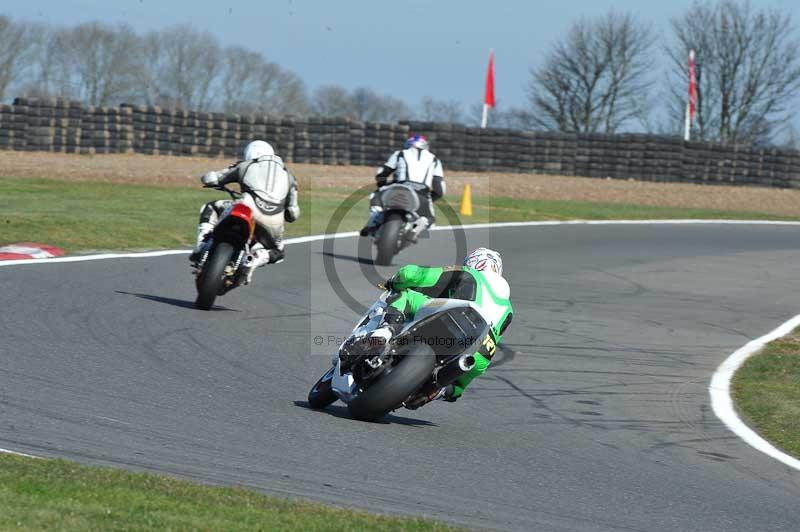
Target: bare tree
{"x":97,"y":63}
{"x":369,"y":106}
{"x":293,"y":95}
{"x":16,"y":49}
{"x":182,"y":66}
{"x":791,"y":139}
{"x":251,"y":84}
{"x":501,"y":117}
{"x":749,"y":67}
{"x":432,"y":110}
{"x":332,"y":100}
{"x":177,"y":67}
{"x":596,"y":79}
{"x":47,"y":75}
{"x":362,"y":104}
{"x":516,"y":118}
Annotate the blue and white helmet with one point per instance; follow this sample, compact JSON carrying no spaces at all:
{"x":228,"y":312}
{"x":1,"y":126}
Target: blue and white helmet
{"x":484,"y":259}
{"x":417,"y":141}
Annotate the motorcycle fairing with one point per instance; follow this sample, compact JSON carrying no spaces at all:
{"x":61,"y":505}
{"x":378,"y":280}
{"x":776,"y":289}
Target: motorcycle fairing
{"x":344,"y":386}
{"x":457,"y":322}
{"x":243,"y":212}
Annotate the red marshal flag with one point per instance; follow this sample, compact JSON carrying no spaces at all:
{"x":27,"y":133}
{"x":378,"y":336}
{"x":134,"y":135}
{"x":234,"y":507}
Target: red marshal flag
{"x":488,"y":98}
{"x":692,"y":87}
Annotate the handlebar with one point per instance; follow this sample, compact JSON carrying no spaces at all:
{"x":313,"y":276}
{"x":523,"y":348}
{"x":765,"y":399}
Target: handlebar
{"x":233,"y":193}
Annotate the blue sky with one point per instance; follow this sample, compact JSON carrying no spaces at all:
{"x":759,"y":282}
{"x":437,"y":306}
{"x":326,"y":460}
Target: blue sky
{"x":408,"y":49}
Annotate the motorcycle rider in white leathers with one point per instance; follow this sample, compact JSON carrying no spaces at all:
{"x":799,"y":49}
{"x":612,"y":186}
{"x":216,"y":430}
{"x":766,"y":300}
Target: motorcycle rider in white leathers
{"x":416,"y":165}
{"x":268,"y":188}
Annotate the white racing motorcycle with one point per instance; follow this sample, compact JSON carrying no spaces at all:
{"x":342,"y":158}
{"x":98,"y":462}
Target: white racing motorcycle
{"x":435,"y":348}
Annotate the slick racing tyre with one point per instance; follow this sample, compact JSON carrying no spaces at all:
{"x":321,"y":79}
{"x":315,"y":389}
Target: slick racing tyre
{"x":209,"y":282}
{"x":394,"y":386}
{"x":388,"y":239}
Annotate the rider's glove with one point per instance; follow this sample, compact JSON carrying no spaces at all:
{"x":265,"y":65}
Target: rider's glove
{"x":211,"y":179}
{"x":389,"y":284}
{"x":291,"y":214}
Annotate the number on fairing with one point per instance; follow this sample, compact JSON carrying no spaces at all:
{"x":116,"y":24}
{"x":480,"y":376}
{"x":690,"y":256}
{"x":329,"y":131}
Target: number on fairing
{"x":488,"y":347}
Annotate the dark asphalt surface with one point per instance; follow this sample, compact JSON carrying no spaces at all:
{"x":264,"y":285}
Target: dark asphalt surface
{"x":597,"y":419}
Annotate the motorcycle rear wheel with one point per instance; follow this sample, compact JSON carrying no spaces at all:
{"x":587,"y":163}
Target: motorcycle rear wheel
{"x":387,"y":240}
{"x":209,"y":282}
{"x":395,"y":386}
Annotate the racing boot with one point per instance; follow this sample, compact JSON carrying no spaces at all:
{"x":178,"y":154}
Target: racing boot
{"x":204,"y":230}
{"x":375,"y":220}
{"x":260,"y":256}
{"x":419,"y":226}
{"x":430,"y":392}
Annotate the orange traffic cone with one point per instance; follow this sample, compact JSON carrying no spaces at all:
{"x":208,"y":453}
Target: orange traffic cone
{"x":466,"y":201}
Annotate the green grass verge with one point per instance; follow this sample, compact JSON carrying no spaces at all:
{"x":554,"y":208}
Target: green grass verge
{"x":90,"y":216}
{"x":766,"y":390}
{"x":61,"y":496}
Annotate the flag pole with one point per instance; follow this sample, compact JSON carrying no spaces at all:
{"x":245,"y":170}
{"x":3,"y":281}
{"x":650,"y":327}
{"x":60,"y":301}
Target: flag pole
{"x":687,"y":125}
{"x":485,"y":116}
{"x":691,"y":104}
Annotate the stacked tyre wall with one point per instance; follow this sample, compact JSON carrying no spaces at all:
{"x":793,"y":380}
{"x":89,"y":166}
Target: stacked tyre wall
{"x":58,"y":125}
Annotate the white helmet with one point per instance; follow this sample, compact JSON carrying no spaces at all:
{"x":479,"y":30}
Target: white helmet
{"x":256,"y":149}
{"x":484,"y":259}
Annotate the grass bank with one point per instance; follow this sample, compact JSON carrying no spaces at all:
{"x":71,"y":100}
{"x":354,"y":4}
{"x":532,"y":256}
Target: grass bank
{"x":766,"y":390}
{"x":63,"y":496}
{"x":90,"y":216}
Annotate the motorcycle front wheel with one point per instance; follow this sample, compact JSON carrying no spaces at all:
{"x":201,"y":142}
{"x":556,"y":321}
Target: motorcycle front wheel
{"x":321,"y":394}
{"x":395,"y":386}
{"x":209,"y":282}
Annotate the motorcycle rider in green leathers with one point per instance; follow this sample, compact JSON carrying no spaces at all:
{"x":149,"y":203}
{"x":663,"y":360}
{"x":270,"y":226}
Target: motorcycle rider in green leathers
{"x":479,"y":280}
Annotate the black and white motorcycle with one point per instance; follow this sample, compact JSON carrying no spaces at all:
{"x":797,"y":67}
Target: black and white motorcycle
{"x":222,"y":265}
{"x":433,"y":350}
{"x":400,"y":224}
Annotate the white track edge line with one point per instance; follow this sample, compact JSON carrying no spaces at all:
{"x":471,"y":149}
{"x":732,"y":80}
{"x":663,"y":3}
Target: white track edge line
{"x":16,"y":453}
{"x":313,"y":238}
{"x":615,"y":222}
{"x":721,"y":402}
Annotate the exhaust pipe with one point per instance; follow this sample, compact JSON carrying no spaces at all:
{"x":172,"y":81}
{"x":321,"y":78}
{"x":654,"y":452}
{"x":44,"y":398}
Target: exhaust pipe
{"x":447,"y":374}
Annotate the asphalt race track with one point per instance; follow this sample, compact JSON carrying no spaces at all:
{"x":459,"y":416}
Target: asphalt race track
{"x":597,"y":417}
